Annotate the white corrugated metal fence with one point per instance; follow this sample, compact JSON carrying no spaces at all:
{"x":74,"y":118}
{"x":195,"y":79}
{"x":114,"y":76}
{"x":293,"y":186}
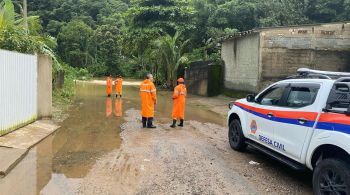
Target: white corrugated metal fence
{"x":18,"y":90}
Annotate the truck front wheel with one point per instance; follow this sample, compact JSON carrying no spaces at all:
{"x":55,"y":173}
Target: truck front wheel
{"x":236,"y":137}
{"x":331,"y":176}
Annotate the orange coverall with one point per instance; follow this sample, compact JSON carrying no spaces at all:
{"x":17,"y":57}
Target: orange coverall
{"x":119,"y":86}
{"x":148,"y":98}
{"x":179,"y":98}
{"x":109,"y":85}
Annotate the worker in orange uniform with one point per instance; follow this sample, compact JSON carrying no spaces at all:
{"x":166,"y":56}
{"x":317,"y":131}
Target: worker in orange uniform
{"x":109,"y":85}
{"x":179,"y":99}
{"x":118,"y":86}
{"x":148,"y":101}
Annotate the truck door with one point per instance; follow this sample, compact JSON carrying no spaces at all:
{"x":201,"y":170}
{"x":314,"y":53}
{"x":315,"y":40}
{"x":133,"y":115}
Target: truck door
{"x":295,"y":118}
{"x":260,"y":114}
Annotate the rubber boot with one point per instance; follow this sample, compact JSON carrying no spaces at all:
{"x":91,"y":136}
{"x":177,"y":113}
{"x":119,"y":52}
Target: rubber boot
{"x":181,"y":123}
{"x":174,"y":124}
{"x":150,"y":123}
{"x":144,"y":122}
{"x":116,"y":95}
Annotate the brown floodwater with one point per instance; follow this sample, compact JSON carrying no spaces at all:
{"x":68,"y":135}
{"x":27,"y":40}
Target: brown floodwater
{"x":59,"y":163}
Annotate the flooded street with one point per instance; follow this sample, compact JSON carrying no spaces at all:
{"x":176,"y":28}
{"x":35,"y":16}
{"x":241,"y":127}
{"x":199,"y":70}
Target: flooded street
{"x":102,"y":149}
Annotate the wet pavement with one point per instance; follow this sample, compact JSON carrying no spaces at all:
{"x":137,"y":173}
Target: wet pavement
{"x":59,"y":163}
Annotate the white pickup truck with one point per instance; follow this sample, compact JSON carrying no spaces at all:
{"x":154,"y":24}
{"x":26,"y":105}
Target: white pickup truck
{"x":304,"y":122}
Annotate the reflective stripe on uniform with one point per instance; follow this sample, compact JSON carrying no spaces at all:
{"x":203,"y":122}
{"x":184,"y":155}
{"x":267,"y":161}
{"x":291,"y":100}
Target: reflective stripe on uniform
{"x":179,"y":92}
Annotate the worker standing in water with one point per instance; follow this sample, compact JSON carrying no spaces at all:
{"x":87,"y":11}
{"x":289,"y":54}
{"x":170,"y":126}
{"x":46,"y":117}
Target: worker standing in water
{"x":109,"y":85}
{"x":118,"y":86}
{"x":148,"y":101}
{"x":179,"y":101}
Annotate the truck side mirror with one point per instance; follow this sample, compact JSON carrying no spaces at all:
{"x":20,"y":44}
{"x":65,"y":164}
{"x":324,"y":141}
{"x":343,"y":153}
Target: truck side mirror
{"x":347,"y":112}
{"x":230,"y":105}
{"x":251,"y":98}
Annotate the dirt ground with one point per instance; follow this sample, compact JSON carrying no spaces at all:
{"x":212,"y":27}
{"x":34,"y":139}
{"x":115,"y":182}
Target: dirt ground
{"x":98,"y":151}
{"x":195,"y":159}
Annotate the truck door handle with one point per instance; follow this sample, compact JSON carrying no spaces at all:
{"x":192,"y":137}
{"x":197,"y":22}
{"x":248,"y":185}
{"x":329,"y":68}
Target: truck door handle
{"x":270,"y":115}
{"x":302,"y":120}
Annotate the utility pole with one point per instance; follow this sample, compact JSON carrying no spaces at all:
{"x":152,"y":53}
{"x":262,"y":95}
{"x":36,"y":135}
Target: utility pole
{"x":25,"y":14}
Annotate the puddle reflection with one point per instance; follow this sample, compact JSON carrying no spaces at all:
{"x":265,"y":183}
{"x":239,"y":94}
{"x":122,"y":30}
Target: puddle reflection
{"x":118,"y":106}
{"x":108,"y":106}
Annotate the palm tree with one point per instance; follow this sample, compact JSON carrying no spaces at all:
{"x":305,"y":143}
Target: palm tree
{"x":30,"y":26}
{"x":9,"y":18}
{"x":7,"y":14}
{"x":171,"y":55}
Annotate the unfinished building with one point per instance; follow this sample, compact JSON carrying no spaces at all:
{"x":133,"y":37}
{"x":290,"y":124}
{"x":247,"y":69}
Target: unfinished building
{"x":256,"y":58}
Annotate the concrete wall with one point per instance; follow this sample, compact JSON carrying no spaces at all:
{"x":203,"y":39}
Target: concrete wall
{"x":241,"y":59}
{"x":199,"y":87}
{"x":44,"y":81}
{"x":284,"y":50}
{"x":196,"y":77}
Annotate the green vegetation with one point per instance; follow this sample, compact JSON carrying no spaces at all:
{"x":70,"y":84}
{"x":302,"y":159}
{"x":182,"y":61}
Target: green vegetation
{"x":132,"y":37}
{"x":169,"y":52}
{"x":25,"y":34}
{"x":22,"y":34}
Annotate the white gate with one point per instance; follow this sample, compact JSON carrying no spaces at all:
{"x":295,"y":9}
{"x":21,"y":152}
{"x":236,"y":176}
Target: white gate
{"x":18,"y":90}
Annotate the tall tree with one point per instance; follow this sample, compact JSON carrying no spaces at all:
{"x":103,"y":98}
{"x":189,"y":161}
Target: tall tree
{"x":146,"y":20}
{"x":282,"y":12}
{"x":76,"y":44}
{"x":325,"y":10}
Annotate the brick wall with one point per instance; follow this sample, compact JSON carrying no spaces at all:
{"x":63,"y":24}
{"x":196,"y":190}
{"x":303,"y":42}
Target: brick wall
{"x":267,"y":55}
{"x":285,"y":50}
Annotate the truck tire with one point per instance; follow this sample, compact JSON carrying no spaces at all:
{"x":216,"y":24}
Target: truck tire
{"x":331,"y":176}
{"x":236,"y":137}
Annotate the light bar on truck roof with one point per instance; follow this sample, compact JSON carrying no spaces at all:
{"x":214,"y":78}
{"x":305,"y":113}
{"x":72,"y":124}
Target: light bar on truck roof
{"x":320,"y":72}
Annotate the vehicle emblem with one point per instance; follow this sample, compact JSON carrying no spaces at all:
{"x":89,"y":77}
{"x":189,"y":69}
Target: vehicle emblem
{"x":253,"y":127}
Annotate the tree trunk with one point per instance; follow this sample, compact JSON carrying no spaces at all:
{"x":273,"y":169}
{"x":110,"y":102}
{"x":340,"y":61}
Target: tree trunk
{"x":25,"y":14}
{"x":86,"y":59}
{"x":205,"y":54}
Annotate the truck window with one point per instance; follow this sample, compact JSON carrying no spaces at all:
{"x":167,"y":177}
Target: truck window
{"x":272,"y":97}
{"x":301,"y":96}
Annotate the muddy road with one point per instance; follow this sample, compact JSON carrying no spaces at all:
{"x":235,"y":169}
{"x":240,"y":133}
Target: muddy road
{"x":102,"y":149}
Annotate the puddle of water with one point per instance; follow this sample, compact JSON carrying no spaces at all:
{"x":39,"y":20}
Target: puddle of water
{"x":59,"y":163}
